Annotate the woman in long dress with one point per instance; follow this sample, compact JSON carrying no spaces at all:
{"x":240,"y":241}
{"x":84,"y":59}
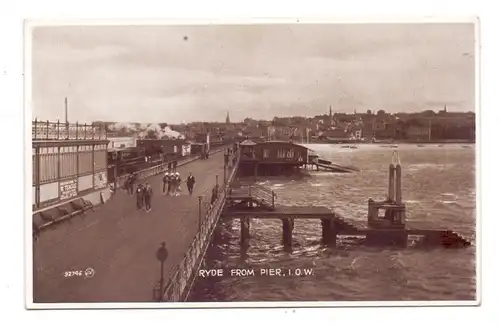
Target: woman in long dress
{"x":177,"y":181}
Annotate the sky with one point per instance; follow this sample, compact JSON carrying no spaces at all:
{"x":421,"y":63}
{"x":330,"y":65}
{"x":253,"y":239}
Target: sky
{"x":190,"y":73}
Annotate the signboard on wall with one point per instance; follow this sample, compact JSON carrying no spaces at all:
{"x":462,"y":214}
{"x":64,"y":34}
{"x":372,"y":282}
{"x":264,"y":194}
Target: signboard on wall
{"x":100,"y":180}
{"x":68,"y":189}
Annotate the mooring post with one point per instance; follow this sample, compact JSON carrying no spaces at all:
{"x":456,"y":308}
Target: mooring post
{"x":287,"y":231}
{"x":391,"y":182}
{"x":372,"y":215}
{"x":399,"y":194}
{"x":245,"y":229}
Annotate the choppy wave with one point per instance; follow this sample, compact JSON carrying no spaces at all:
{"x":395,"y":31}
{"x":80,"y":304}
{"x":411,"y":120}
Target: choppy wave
{"x":351,"y":272}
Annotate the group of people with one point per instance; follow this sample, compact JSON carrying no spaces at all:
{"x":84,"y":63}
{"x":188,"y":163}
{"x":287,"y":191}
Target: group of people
{"x":143,"y":194}
{"x":172,"y":183}
{"x":129,"y":183}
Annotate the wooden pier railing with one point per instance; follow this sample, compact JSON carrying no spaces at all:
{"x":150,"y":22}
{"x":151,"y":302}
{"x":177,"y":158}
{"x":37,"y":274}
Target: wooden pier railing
{"x":258,"y":193}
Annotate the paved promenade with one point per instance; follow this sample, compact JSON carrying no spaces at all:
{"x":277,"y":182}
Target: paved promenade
{"x":119,"y":243}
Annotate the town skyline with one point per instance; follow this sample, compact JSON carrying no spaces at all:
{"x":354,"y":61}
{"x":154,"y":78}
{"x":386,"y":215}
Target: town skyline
{"x":199,"y":73}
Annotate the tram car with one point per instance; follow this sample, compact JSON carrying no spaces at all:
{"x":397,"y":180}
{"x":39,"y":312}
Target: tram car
{"x":167,"y":149}
{"x":128,"y":160}
{"x":198,"y":148}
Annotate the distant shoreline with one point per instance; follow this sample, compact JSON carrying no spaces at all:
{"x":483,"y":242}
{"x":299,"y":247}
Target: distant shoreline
{"x":454,"y":141}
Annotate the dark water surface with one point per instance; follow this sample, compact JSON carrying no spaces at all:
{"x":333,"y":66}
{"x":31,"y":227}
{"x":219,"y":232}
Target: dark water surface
{"x":438,"y":186}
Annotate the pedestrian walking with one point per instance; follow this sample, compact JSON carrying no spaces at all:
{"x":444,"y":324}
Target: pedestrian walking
{"x":214,"y":195}
{"x":130,"y":184}
{"x":165,"y":182}
{"x":174,"y":166}
{"x":126,"y":184}
{"x":169,"y":183}
{"x":139,"y":193}
{"x":132,"y":180}
{"x":190,"y":181}
{"x":148,"y":194}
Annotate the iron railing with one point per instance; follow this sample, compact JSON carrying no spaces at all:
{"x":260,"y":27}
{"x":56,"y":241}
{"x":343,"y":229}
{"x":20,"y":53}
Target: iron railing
{"x":46,"y":130}
{"x":183,"y":277}
{"x":161,"y":168}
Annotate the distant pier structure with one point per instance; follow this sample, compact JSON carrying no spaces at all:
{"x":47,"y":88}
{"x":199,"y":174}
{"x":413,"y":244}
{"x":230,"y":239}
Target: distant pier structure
{"x":385,"y":225}
{"x":279,"y":158}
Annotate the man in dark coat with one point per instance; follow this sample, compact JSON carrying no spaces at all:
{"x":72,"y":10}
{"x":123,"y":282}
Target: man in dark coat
{"x":214,"y":195}
{"x":139,"y":193}
{"x":148,"y":194}
{"x":190,"y":181}
{"x":165,"y":180}
{"x":131,"y":182}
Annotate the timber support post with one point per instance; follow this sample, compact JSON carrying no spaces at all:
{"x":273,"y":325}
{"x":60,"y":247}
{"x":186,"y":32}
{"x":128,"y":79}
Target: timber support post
{"x":328,"y":231}
{"x":245,"y":229}
{"x":288,"y":224}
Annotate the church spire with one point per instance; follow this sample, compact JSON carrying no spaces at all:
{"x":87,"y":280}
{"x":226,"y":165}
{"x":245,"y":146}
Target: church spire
{"x":227,"y":118}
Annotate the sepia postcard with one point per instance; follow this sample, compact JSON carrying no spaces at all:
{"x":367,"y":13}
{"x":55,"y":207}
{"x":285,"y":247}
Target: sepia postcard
{"x":253,"y":164}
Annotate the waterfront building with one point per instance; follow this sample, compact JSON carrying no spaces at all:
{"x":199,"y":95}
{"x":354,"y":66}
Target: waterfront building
{"x":69,"y":160}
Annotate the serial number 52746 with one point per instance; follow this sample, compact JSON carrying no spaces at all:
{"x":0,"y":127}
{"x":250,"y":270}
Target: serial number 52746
{"x":68,"y":274}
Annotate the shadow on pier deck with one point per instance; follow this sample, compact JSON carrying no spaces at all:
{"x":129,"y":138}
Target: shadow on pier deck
{"x":119,"y":242}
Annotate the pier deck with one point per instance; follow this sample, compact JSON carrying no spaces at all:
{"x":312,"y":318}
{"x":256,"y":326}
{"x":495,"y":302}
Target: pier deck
{"x":120,"y":242}
{"x":283,"y":211}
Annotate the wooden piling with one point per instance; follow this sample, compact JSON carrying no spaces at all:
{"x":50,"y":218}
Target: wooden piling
{"x":328,"y":231}
{"x":391,"y":182}
{"x":372,"y":211}
{"x":287,"y":231}
{"x":325,"y":231}
{"x":245,"y":229}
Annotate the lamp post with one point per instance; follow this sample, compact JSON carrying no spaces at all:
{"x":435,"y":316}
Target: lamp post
{"x":226,"y":161}
{"x":217,"y":184}
{"x":161,"y":255}
{"x":115,"y":155}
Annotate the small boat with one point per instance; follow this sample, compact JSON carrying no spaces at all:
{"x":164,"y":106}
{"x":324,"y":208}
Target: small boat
{"x":440,"y":145}
{"x":353,"y":147}
{"x":420,"y":145}
{"x":393,"y":146}
{"x":466,"y":146}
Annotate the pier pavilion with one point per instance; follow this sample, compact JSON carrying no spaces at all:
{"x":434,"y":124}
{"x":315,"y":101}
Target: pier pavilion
{"x":68,"y":161}
{"x":272,"y":158}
